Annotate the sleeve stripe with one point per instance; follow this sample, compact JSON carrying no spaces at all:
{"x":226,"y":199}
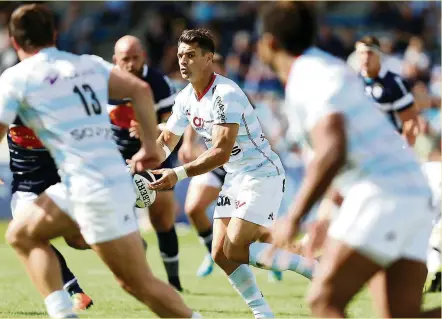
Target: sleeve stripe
{"x":403,"y":101}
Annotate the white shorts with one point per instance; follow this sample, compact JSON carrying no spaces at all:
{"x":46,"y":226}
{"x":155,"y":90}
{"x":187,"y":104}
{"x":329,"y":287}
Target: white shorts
{"x":109,"y":217}
{"x":384,"y":227}
{"x":256,"y":200}
{"x":208,"y":179}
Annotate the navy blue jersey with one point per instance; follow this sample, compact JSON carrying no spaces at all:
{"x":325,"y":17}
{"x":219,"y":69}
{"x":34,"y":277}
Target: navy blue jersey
{"x":33,"y":169}
{"x":391,"y":93}
{"x":121,"y":112}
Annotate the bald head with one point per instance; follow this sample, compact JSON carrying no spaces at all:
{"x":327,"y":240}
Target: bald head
{"x":129,"y":54}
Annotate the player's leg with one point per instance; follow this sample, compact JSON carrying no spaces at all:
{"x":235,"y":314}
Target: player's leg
{"x":162,"y":216}
{"x":240,"y":276}
{"x":29,"y":234}
{"x":341,"y":273}
{"x":241,"y":245}
{"x":19,"y":203}
{"x":257,"y":206}
{"x":202,"y":192}
{"x":137,"y":279}
{"x":434,"y":265}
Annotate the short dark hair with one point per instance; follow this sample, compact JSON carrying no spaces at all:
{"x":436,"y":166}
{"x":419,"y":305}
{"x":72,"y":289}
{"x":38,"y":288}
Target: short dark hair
{"x":32,"y":26}
{"x":202,"y":37}
{"x":293,"y":24}
{"x":370,"y":41}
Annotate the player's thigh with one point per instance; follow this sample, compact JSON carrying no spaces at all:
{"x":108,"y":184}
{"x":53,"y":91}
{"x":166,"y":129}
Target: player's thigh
{"x":341,"y":273}
{"x":162,"y":211}
{"x":241,"y":232}
{"x":117,"y":252}
{"x":42,"y":219}
{"x":219,"y":233}
{"x":258,"y":200}
{"x":397,"y":290}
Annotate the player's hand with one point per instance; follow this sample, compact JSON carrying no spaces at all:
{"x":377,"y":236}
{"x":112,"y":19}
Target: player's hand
{"x":317,"y":233}
{"x":167,"y":180}
{"x":144,"y":160}
{"x":186,"y":153}
{"x":134,"y":129}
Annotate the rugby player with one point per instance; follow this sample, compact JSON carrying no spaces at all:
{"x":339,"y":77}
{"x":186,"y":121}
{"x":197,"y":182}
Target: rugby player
{"x":382,"y":230}
{"x":391,"y":93}
{"x":219,"y":111}
{"x":130,"y":56}
{"x":33,"y":171}
{"x":60,"y":96}
{"x":204,"y":189}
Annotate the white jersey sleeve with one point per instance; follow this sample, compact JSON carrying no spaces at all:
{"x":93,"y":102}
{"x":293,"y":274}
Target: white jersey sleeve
{"x":227,"y":105}
{"x":178,"y":120}
{"x":10,"y":97}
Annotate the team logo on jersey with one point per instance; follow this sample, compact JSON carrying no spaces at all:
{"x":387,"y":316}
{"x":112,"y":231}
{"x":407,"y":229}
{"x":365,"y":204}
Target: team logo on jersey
{"x":220,"y":110}
{"x":24,"y":137}
{"x":198,"y":122}
{"x":121,"y":115}
{"x":223,"y":201}
{"x":377,"y":90}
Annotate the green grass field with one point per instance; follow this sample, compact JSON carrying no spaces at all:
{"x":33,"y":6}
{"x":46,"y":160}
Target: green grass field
{"x":212,"y":296}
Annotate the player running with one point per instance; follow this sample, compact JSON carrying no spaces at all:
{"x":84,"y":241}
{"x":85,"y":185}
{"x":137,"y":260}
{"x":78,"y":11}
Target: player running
{"x":219,"y":111}
{"x":381,"y":233}
{"x":204,"y":189}
{"x":60,"y":96}
{"x":130,"y":56}
{"x":33,"y":171}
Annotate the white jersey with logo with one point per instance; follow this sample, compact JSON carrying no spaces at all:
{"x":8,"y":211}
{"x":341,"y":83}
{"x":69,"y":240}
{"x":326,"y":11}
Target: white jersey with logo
{"x":62,"y":97}
{"x":224,"y":102}
{"x":320,"y":84}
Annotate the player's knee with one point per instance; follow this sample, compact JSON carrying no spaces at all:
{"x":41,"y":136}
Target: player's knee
{"x":218,"y":254}
{"x":16,"y":236}
{"x":194,"y":210}
{"x":233,"y":252}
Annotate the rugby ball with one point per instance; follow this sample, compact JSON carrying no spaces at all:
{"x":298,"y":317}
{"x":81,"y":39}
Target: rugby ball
{"x":145,"y":196}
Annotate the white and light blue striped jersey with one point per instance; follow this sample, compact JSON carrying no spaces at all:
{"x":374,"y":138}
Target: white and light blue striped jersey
{"x":320,"y":84}
{"x":223,"y":102}
{"x":62,"y":97}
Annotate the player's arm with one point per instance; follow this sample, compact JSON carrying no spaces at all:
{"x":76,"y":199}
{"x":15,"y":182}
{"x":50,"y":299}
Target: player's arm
{"x":125,"y":85}
{"x":406,"y":110}
{"x":223,"y":139}
{"x":329,"y":143}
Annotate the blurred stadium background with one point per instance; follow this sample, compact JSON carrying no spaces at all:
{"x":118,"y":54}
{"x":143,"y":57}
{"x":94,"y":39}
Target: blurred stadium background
{"x":410,"y":33}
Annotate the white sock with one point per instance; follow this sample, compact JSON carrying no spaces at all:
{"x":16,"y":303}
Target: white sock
{"x":244,"y":282}
{"x":59,"y":304}
{"x":282,"y":260}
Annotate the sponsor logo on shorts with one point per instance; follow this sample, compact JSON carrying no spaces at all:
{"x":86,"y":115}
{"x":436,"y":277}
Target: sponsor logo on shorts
{"x":223,"y":201}
{"x":239,"y":204}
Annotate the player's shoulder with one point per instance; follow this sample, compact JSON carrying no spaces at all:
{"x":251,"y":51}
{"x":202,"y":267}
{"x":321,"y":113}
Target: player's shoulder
{"x":95,"y":60}
{"x":223,"y":86}
{"x":14,"y":78}
{"x":392,"y":79}
{"x":183,"y":96}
